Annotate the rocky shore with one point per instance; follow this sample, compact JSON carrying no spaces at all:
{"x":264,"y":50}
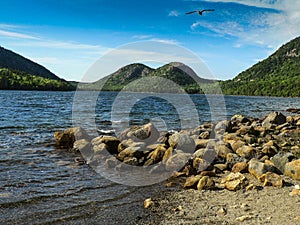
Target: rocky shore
{"x":239,"y":170}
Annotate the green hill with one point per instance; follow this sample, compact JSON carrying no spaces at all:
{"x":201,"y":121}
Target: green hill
{"x":140,"y":78}
{"x":278,"y":75}
{"x":20,"y":73}
{"x":17,"y":80}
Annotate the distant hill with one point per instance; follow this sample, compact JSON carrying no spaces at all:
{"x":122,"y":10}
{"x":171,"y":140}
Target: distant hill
{"x":20,"y":73}
{"x":130,"y":78}
{"x":14,"y":61}
{"x":278,"y":75}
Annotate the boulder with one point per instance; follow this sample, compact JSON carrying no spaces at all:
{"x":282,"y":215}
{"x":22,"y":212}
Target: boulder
{"x":223,"y":126}
{"x":281,"y":159}
{"x":246,"y":151}
{"x":65,"y":139}
{"x":130,"y":152}
{"x":240,"y":167}
{"x":271,"y":179}
{"x":130,"y":143}
{"x":223,"y":149}
{"x":200,"y":143}
{"x":239,"y":119}
{"x":177,"y":161}
{"x":100,"y":149}
{"x":111,"y":143}
{"x":82,"y":145}
{"x":232,"y":158}
{"x":257,"y":168}
{"x":111,"y":162}
{"x":183,"y":142}
{"x":167,"y":155}
{"x":157,"y":154}
{"x":200,"y":164}
{"x":146,"y":133}
{"x":234,"y":181}
{"x":204,"y":135}
{"x":133,"y":161}
{"x":276,"y":118}
{"x":292,"y":169}
{"x":235,"y":145}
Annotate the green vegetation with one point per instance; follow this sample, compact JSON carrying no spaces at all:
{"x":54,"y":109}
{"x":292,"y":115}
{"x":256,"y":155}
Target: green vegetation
{"x":14,"y":61}
{"x":140,"y":78}
{"x":17,"y":80}
{"x":278,"y":75}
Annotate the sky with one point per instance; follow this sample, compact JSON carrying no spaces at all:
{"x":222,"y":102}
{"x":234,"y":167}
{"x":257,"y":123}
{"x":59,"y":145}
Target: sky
{"x":69,"y":36}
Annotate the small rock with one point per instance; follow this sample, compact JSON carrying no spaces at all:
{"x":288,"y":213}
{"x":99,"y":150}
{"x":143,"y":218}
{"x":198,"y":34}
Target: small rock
{"x":271,"y":179}
{"x":250,"y":187}
{"x":234,"y":181}
{"x":192,"y":181}
{"x":240,"y":167}
{"x":292,"y":169}
{"x":206,"y":183}
{"x":243,"y":218}
{"x":294,"y":192}
{"x":222,"y":211}
{"x":148,"y":203}
{"x":221,"y":166}
{"x":178,"y":209}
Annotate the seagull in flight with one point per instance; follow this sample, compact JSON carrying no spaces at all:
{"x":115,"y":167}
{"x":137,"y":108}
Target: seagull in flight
{"x":200,"y":12}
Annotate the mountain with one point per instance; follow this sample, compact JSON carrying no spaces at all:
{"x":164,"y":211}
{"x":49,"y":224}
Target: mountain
{"x":140,"y":78}
{"x":278,"y":75}
{"x":20,"y":73}
{"x":14,"y":61}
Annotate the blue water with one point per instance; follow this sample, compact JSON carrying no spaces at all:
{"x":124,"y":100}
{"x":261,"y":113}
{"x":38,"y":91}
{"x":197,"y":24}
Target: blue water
{"x":42,"y":184}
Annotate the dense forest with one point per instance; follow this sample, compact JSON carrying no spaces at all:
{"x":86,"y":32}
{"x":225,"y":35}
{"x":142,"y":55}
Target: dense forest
{"x":19,"y":80}
{"x":278,"y":75}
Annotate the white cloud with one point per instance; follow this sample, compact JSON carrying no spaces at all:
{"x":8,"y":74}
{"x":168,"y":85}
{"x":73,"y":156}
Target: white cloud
{"x":268,"y":28}
{"x":12,"y":34}
{"x":174,"y":13}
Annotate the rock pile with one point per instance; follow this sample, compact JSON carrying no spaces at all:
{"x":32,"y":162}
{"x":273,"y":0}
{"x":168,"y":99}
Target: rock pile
{"x":211,"y":156}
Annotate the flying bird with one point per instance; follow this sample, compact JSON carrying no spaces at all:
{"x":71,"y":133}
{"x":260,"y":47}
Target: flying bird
{"x":200,"y":12}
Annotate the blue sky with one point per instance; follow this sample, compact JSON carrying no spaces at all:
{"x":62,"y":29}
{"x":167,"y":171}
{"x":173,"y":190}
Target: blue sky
{"x":68,"y":36}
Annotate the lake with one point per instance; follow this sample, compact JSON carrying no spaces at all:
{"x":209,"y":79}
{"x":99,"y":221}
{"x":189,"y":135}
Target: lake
{"x":42,"y":184}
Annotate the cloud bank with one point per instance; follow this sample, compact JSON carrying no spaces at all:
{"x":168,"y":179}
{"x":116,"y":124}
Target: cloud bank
{"x":275,"y":22}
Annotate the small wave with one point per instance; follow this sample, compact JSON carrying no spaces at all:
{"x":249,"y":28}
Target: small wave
{"x":106,"y":132}
{"x":12,"y":127}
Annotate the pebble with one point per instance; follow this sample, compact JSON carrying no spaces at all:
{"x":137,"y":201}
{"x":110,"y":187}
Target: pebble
{"x":148,"y":203}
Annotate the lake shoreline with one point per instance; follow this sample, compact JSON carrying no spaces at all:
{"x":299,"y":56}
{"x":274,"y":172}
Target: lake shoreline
{"x":252,"y":160}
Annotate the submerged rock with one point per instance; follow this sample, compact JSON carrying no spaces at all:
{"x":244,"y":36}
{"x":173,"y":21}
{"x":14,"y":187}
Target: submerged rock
{"x":65,"y":139}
